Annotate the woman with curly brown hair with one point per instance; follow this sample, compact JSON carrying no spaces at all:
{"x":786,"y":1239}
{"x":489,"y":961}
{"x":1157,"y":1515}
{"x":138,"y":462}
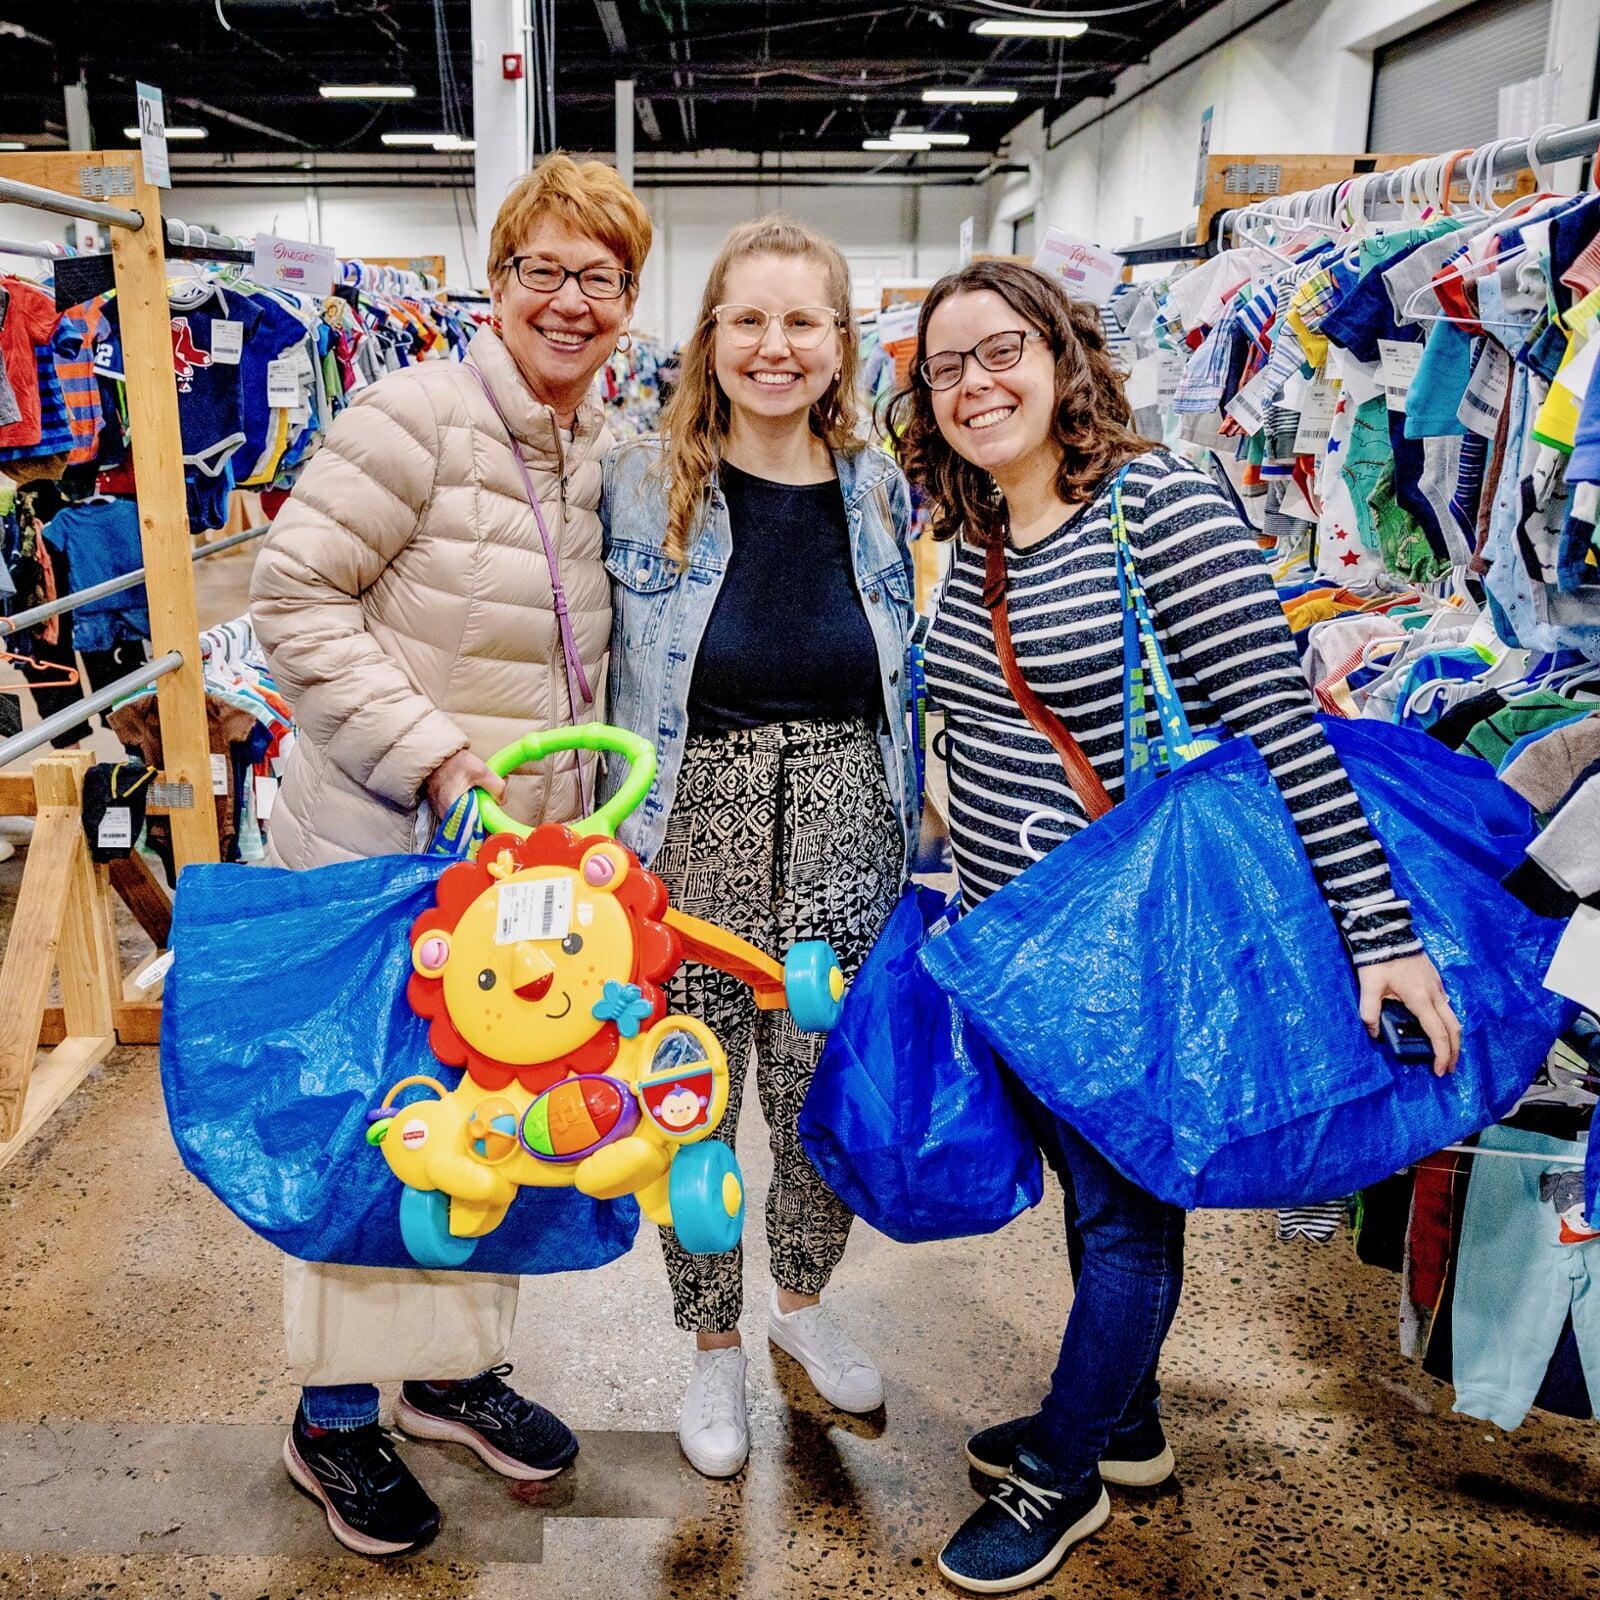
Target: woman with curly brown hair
{"x":1017,"y":428}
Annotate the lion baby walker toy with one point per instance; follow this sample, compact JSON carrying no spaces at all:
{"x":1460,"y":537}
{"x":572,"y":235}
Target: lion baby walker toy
{"x":541,"y":968}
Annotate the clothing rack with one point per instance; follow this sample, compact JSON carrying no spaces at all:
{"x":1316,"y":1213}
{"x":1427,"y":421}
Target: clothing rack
{"x":63,"y":917}
{"x":1502,"y":157}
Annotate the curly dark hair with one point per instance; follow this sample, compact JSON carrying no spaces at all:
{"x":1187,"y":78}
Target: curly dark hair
{"x":1093,"y":424}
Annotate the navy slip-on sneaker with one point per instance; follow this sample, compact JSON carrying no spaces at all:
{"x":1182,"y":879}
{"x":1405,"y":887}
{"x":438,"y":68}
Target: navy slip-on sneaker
{"x":1023,"y":1531}
{"x":1139,"y":1458}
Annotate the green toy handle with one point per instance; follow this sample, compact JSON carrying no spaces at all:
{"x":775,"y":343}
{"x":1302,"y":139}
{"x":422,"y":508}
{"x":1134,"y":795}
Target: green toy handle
{"x":640,"y":753}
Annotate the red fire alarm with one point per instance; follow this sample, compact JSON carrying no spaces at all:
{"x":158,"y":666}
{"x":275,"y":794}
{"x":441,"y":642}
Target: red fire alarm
{"x":511,"y":65}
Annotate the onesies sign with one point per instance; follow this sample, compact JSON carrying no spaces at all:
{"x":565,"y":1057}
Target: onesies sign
{"x":1082,"y":268}
{"x":294,"y":264}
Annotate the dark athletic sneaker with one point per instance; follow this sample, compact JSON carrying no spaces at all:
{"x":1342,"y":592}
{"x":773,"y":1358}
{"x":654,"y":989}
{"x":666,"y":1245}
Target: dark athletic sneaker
{"x":517,"y":1437}
{"x":373,"y":1504}
{"x":1138,"y":1459}
{"x":1022,"y":1532}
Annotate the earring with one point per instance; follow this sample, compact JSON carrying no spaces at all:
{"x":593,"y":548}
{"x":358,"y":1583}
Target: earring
{"x":624,"y":341}
{"x":494,"y":322}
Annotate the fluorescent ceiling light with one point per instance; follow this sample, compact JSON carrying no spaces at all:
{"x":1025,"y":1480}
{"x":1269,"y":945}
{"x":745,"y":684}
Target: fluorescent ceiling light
{"x":416,"y":138}
{"x":896,"y":144}
{"x":172,"y":133}
{"x":12,"y":144}
{"x":1021,"y":28}
{"x":367,"y":91}
{"x":969,"y":97}
{"x":931,"y":138}
{"x":453,"y":142}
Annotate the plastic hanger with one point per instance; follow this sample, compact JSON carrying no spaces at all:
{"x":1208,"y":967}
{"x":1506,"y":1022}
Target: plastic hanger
{"x":68,"y":680}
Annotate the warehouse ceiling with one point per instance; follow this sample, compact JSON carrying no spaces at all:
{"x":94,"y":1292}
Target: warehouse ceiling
{"x":709,"y":74}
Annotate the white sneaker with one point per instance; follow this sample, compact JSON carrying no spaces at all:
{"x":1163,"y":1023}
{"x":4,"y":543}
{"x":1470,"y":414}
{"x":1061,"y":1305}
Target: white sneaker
{"x":843,"y":1373}
{"x":712,"y":1427}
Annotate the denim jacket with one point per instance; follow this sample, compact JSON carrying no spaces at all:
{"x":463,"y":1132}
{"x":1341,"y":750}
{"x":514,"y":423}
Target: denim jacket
{"x":659,"y":616}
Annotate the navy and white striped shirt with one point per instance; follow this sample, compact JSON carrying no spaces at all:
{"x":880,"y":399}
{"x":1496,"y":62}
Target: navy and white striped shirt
{"x":1232,"y":660}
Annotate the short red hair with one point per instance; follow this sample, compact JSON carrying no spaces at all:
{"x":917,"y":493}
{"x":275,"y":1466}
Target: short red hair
{"x":588,"y":196}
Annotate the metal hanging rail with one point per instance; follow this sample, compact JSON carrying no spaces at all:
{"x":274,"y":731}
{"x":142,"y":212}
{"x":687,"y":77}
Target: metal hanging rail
{"x":1506,"y":156}
{"x":20,"y":744}
{"x":128,"y":580}
{"x":39,"y":248}
{"x":66,"y":205}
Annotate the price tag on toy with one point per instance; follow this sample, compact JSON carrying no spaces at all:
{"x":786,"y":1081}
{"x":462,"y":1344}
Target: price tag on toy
{"x":116,"y":829}
{"x":227,"y":342}
{"x":534,"y":908}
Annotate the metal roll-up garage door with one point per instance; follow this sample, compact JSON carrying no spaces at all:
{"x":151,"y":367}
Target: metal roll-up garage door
{"x":1439,"y":88}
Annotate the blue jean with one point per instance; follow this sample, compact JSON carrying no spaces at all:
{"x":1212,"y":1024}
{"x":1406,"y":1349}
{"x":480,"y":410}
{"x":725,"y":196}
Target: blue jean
{"x":340,"y":1407}
{"x":1126,"y":1252}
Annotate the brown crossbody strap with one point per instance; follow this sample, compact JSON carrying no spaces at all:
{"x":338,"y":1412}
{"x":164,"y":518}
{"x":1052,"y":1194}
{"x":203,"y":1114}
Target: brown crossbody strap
{"x":1082,"y":777}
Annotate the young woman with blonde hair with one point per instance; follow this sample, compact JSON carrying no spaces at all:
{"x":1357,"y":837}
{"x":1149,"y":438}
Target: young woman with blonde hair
{"x":762,"y":599}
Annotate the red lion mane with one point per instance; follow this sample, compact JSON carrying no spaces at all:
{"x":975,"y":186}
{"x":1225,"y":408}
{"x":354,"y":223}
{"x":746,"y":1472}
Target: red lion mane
{"x":657,"y":955}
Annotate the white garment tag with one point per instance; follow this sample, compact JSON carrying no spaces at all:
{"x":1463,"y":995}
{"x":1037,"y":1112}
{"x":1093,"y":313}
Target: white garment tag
{"x":1294,"y":503}
{"x":533,"y":908}
{"x":116,"y":829}
{"x":1249,"y":407}
{"x":227,"y":342}
{"x":1359,"y":379}
{"x":283,"y":383}
{"x":302,"y":363}
{"x":1485,"y":398}
{"x":266,"y":796}
{"x":1317,"y":407}
{"x":1141,"y":386}
{"x":155,"y":972}
{"x":219,"y":774}
{"x":1575,"y":971}
{"x":1397,"y":366}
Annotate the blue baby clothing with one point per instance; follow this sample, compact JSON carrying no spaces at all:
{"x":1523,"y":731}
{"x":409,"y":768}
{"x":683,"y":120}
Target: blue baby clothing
{"x":1516,"y":1282}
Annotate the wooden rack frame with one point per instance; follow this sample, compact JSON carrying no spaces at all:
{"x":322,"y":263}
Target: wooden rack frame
{"x":63,"y":918}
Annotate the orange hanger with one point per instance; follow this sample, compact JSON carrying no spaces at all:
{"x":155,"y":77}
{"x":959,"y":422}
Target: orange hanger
{"x":68,"y":680}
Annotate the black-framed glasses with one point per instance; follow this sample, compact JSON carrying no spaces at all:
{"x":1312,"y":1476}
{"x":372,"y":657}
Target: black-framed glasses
{"x":546,"y":277}
{"x":804,"y":327}
{"x":994,"y":354}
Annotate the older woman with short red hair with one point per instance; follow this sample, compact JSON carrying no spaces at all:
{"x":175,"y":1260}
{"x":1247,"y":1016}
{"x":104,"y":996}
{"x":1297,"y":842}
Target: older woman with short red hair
{"x":432,"y":591}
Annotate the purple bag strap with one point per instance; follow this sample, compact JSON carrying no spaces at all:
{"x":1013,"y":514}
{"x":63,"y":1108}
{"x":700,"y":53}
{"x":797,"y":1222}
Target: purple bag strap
{"x":577,"y":679}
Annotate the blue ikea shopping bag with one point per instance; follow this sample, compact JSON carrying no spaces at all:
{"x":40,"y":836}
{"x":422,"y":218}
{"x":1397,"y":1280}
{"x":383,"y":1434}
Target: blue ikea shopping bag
{"x":285,"y":1021}
{"x":1170,"y":982}
{"x":908,"y":1118}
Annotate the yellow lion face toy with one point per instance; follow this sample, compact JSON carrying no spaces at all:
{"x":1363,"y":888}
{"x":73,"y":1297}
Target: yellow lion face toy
{"x":540,"y":968}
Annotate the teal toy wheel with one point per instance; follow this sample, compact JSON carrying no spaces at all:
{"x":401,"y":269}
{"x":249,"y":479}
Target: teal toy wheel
{"x":425,"y":1227}
{"x":706,"y":1193}
{"x":814,"y":985}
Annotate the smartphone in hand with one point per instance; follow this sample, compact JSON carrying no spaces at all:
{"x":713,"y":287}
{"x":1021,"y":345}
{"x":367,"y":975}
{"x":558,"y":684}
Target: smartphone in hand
{"x":1401,"y":1035}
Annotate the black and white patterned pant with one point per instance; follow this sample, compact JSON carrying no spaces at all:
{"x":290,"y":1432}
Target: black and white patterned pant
{"x":779,"y":834}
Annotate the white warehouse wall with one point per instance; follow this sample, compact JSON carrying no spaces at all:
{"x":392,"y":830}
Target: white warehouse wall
{"x":1294,"y":78}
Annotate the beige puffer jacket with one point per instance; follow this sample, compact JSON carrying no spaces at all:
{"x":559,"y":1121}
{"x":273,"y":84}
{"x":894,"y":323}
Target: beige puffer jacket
{"x":404,"y":601}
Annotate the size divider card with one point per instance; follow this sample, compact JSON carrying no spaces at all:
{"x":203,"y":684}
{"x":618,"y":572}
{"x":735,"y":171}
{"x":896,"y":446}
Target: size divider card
{"x":1398,"y":361}
{"x":533,"y":908}
{"x":1080,"y":266}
